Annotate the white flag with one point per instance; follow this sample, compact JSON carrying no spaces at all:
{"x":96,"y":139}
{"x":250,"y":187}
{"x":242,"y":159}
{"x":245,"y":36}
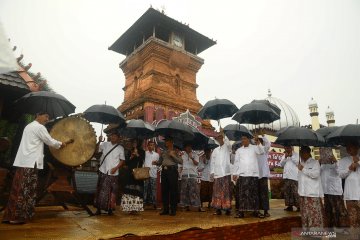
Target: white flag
{"x":7,"y":59}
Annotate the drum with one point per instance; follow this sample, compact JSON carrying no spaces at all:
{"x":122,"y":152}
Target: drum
{"x":83,"y":135}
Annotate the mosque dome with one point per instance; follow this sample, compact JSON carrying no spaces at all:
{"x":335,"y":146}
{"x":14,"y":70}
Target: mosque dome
{"x":288,"y":116}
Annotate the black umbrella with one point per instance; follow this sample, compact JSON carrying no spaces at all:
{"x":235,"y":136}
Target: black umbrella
{"x":104,"y":114}
{"x":137,"y":128}
{"x":271,"y":105}
{"x":211,"y":144}
{"x":44,"y":101}
{"x":235,"y":131}
{"x":326,"y":131}
{"x":344,"y":135}
{"x":298,"y":136}
{"x":281,"y":130}
{"x":199,"y":141}
{"x":256,"y":113}
{"x":174,"y":129}
{"x":217,"y":109}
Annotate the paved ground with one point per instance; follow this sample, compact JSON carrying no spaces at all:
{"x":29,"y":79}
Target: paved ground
{"x":56,"y":223}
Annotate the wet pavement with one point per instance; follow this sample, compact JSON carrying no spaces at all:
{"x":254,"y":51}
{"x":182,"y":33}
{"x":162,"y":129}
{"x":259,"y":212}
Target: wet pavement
{"x":56,"y":223}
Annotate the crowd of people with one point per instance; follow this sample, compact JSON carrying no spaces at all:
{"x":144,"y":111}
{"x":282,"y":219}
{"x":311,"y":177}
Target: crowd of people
{"x":188,"y":178}
{"x":326,"y":192}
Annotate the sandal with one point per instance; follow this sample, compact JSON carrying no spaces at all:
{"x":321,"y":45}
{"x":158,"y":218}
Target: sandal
{"x":218,"y":212}
{"x":258,"y":215}
{"x":239,"y":215}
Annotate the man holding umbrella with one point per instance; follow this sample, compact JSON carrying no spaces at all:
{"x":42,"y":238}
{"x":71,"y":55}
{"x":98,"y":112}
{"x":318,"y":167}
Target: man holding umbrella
{"x":246,"y":175}
{"x":310,"y":191}
{"x":221,"y":173}
{"x":289,"y":162}
{"x":29,"y":158}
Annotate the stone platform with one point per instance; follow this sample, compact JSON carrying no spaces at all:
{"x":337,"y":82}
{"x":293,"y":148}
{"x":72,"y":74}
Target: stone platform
{"x":55,"y":223}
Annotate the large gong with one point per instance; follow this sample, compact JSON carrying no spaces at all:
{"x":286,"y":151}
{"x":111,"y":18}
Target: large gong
{"x":83,"y":134}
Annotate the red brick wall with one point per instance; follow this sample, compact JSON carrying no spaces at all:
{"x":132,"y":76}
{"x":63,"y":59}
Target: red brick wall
{"x":244,"y":231}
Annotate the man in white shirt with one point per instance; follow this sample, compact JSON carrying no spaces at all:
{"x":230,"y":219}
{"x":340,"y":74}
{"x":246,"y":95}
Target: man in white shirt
{"x":264,"y":174}
{"x":349,"y":169}
{"x":335,"y":211}
{"x":29,"y":158}
{"x":206,"y":187}
{"x":246,"y":174}
{"x":150,"y":184}
{"x":289,"y":162}
{"x":221,"y":173}
{"x":310,"y":192}
{"x":190,"y":188}
{"x":111,"y":160}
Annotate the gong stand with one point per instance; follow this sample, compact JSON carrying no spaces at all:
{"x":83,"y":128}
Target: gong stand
{"x":62,"y":186}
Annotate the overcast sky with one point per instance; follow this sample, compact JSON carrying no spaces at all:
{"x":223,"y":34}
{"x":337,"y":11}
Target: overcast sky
{"x":298,"y":49}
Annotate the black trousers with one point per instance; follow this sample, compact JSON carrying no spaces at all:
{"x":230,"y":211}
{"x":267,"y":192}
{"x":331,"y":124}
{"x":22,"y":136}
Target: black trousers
{"x":169,"y":187}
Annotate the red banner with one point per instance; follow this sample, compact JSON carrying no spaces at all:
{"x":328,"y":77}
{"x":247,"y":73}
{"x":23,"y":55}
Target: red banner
{"x":276,"y":170}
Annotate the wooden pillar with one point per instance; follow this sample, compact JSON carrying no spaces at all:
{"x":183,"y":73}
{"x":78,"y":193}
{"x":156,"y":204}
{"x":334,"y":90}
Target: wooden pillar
{"x":159,"y":114}
{"x":149,"y":114}
{"x":171,"y":114}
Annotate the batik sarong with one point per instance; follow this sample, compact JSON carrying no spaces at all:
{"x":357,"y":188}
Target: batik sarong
{"x":312,"y":213}
{"x":206,"y":191}
{"x":353,"y":208}
{"x":291,"y":195}
{"x":221,"y":198}
{"x":106,"y":193}
{"x":336,"y":214}
{"x":22,"y":199}
{"x":264,"y":194}
{"x":248,"y":197}
{"x":150,"y":191}
{"x":190,"y":192}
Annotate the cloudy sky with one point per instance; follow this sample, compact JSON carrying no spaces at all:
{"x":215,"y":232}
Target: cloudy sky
{"x":298,"y":49}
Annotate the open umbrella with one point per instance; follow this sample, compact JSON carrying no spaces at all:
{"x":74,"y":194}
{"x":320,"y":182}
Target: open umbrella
{"x":271,"y":105}
{"x":299,"y":136}
{"x":199,"y":141}
{"x":211,"y":144}
{"x":344,"y":135}
{"x":217,"y":109}
{"x":174,"y":129}
{"x":44,"y":101}
{"x":104,"y":114}
{"x":256,"y":113}
{"x":137,"y":128}
{"x":326,"y":131}
{"x":235,"y":131}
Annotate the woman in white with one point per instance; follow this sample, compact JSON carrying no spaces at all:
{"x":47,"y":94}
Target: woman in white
{"x":206,"y":187}
{"x":335,"y":210}
{"x":190,"y":189}
{"x":349,"y":169}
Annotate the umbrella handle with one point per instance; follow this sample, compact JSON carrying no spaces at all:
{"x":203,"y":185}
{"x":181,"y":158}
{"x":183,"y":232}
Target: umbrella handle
{"x":102,"y":126}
